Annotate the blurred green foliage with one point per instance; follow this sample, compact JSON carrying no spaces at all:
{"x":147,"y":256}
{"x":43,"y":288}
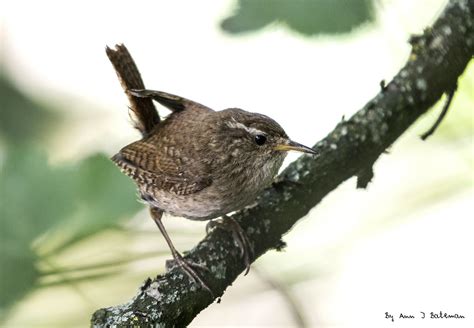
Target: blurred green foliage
{"x":65,"y":203}
{"x":21,"y":119}
{"x":309,"y":17}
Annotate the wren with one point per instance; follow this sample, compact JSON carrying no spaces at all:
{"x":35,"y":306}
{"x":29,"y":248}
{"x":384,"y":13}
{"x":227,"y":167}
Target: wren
{"x":202,"y":164}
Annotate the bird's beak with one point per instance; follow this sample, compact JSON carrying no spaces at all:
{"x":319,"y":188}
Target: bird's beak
{"x":291,"y":145}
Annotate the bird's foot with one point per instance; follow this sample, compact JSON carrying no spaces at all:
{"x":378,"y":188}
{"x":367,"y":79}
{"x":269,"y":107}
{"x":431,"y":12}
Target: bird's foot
{"x":187,"y":267}
{"x":238,"y":235}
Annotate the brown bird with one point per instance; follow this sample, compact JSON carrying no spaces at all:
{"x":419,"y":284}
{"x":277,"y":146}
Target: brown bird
{"x":202,"y":164}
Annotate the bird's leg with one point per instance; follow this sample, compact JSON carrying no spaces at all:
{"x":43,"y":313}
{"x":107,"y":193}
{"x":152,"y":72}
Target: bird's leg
{"x":186,"y":265}
{"x":239,"y":236}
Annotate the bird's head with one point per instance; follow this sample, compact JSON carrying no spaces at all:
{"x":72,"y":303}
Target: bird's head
{"x":255,"y":137}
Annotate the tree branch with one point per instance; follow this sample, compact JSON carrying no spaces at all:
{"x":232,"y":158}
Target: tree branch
{"x":438,"y":58}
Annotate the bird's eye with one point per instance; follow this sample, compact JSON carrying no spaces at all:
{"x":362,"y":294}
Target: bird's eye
{"x":260,"y":139}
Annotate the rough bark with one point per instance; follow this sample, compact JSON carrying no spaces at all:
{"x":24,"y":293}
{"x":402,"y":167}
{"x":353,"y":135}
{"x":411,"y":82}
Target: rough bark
{"x":438,"y":58}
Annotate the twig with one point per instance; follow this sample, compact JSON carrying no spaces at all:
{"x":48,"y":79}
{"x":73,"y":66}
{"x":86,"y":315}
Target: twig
{"x":289,"y":299}
{"x":449,"y":98}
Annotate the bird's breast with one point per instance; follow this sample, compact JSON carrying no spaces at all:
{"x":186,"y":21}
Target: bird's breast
{"x":231,"y":190}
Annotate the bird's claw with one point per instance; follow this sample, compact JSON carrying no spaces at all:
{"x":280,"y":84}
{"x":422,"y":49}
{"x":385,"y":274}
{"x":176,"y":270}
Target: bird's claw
{"x":238,"y":235}
{"x":187,"y":267}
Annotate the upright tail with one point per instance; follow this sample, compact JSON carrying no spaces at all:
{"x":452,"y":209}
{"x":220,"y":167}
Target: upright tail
{"x":145,"y":114}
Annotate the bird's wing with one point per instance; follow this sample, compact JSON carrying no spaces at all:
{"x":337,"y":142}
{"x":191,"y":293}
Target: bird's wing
{"x":143,"y":163}
{"x":170,"y":101}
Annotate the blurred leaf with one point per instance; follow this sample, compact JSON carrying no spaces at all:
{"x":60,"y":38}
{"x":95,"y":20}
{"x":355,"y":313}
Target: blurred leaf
{"x":103,"y":194}
{"x":17,"y":273}
{"x":309,"y":17}
{"x":71,"y":201}
{"x":21,"y":119}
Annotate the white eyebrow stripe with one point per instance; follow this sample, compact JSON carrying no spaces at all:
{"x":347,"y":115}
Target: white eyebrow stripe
{"x":237,"y":125}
